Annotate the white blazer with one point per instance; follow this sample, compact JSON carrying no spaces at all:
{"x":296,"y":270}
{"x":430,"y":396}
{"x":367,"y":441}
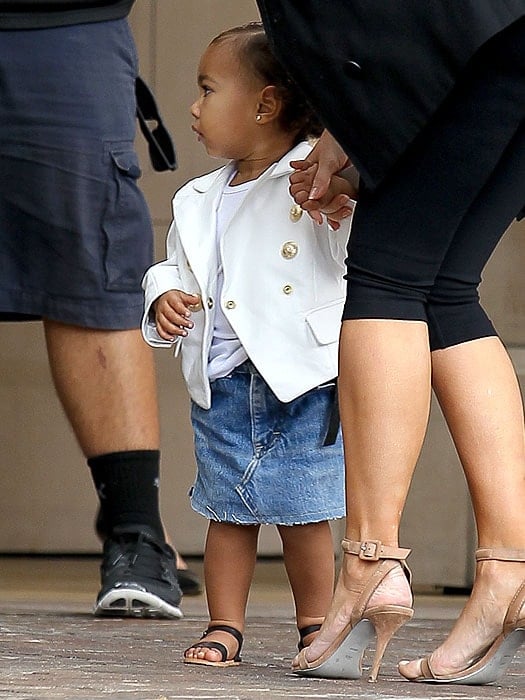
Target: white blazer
{"x":283,"y":290}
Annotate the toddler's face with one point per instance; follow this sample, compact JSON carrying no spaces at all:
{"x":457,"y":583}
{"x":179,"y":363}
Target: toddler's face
{"x":225,"y":112}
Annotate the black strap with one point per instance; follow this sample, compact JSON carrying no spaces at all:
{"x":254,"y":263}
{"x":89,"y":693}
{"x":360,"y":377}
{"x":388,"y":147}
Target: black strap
{"x":160,"y":145}
{"x":230,"y":630}
{"x":334,"y":422}
{"x":304,"y":632}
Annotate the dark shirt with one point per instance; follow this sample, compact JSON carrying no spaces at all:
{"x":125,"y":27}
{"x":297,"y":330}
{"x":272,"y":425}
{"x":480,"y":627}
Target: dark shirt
{"x":40,"y":14}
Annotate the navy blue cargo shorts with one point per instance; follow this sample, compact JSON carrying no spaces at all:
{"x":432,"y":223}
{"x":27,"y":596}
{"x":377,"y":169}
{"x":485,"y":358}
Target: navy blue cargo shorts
{"x":75,"y":231}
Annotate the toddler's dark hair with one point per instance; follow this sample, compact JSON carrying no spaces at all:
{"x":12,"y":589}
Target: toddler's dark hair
{"x":255,"y":53}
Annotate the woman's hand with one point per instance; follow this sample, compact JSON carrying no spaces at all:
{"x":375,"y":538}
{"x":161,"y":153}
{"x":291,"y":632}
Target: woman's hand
{"x":172,"y":313}
{"x":315,"y":186}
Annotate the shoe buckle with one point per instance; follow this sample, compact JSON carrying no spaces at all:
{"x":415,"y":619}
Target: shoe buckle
{"x":370,"y":550}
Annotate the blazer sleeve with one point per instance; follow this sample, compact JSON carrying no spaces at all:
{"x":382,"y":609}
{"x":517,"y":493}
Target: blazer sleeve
{"x":338,"y":240}
{"x":160,"y":278}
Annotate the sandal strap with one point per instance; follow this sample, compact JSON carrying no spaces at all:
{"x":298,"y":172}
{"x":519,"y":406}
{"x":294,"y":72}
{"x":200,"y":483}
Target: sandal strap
{"x":385,"y":557}
{"x":374,"y":550}
{"x":230,"y":630}
{"x":500,"y":553}
{"x":304,"y":632}
{"x":309,"y":629}
{"x":216,"y":646}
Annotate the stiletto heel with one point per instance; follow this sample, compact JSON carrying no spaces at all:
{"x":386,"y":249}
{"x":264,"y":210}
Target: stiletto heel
{"x":491,"y":663}
{"x":386,"y":623}
{"x":343,"y":658}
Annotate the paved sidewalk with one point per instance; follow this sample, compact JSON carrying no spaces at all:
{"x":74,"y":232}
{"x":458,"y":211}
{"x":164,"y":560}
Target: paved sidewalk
{"x":51,"y":647}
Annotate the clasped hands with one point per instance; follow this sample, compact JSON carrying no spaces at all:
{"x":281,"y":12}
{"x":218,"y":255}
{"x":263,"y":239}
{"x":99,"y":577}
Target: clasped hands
{"x":319,"y":186}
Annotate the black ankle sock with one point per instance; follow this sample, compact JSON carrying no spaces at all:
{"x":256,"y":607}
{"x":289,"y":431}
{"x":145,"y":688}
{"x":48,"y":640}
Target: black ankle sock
{"x":127,"y":484}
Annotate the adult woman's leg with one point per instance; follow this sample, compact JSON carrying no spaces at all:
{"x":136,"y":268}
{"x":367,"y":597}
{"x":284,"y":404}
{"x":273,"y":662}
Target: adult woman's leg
{"x":401,"y":236}
{"x":478,"y":391}
{"x":384,"y":416}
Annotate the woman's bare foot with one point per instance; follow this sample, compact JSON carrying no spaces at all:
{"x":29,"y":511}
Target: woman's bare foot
{"x":480,"y":621}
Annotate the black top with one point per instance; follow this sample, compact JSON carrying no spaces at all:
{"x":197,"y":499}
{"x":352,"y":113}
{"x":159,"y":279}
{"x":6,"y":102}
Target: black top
{"x":376,"y":71}
{"x":39,"y":14}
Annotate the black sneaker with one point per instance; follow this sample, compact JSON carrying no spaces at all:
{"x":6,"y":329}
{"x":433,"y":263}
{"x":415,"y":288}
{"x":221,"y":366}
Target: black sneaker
{"x":189,"y":582}
{"x":138,"y":575}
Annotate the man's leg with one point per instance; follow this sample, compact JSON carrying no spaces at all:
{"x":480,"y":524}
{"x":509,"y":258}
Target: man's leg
{"x":106,"y":383}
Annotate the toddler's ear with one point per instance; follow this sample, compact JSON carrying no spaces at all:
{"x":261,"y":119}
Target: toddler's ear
{"x":269,"y":105}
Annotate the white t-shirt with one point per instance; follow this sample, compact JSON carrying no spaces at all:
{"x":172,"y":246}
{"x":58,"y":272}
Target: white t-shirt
{"x":226,"y":350}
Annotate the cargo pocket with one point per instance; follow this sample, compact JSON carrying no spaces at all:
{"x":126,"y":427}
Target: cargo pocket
{"x":126,"y":223}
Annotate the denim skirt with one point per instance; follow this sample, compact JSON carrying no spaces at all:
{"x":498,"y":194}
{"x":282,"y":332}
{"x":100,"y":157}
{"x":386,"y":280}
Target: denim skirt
{"x":75,"y":231}
{"x":261,"y":461}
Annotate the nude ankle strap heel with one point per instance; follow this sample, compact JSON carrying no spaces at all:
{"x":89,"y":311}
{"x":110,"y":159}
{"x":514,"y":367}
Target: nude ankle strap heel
{"x":343,"y":658}
{"x":490,"y":666}
{"x":373,"y":550}
{"x":386,"y":619}
{"x":500,"y":554}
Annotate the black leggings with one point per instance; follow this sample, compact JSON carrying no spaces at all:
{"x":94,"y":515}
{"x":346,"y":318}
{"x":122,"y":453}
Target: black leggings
{"x":419,"y":242}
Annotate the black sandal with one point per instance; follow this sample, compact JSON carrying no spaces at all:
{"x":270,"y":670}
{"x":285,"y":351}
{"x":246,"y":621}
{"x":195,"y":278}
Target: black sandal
{"x":304,"y":632}
{"x":218,"y":646}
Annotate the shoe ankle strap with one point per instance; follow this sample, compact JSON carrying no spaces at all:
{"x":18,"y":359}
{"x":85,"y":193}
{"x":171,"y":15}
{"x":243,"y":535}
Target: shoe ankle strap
{"x":373,"y":550}
{"x":500,"y":553}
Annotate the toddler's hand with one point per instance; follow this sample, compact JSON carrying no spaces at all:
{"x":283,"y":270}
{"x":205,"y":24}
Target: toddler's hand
{"x":316,"y":186}
{"x":337,"y":203}
{"x":172,"y":313}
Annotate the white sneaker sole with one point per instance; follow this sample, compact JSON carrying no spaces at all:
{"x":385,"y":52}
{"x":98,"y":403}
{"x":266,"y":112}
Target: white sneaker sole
{"x":130,"y":602}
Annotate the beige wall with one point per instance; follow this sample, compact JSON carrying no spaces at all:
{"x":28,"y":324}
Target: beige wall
{"x":47,"y":499}
{"x":46,"y":496}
